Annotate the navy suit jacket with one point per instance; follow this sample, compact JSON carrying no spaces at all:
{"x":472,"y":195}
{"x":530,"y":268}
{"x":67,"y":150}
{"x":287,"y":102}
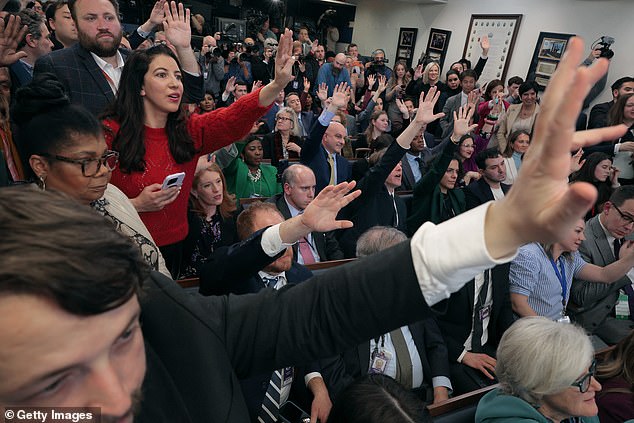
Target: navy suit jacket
{"x":427,"y":155}
{"x":86,"y":84}
{"x":20,"y":76}
{"x":355,"y":362}
{"x":234,"y":270}
{"x":314,"y":156}
{"x":479,"y":192}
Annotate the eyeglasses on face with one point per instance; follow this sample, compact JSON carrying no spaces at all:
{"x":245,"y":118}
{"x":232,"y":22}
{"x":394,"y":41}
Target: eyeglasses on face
{"x":90,"y":167}
{"x":282,"y":118}
{"x":626,"y":218}
{"x":584,"y":383}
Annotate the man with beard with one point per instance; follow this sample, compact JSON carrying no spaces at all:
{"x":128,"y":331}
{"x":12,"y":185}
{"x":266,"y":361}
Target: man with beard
{"x":334,"y":73}
{"x":91,"y":69}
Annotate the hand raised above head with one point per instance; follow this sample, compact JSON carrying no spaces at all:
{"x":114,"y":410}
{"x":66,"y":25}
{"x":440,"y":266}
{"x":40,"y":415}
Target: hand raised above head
{"x":542,"y":206}
{"x":426,"y":103}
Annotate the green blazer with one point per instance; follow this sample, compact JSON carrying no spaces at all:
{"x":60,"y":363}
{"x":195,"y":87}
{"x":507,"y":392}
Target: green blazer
{"x":239,"y":183}
{"x":427,"y":198}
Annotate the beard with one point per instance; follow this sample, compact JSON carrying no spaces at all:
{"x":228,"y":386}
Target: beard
{"x":137,"y":397}
{"x":99,"y":46}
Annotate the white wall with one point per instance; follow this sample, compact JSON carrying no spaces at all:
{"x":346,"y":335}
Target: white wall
{"x":378,"y":21}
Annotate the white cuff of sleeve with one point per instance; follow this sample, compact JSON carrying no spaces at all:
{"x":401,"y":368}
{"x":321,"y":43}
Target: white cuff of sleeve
{"x":441,"y":381}
{"x":272,"y":242}
{"x":617,"y":147}
{"x":142,"y":33}
{"x":311,"y":376}
{"x":449,"y":255}
{"x":461,"y":356}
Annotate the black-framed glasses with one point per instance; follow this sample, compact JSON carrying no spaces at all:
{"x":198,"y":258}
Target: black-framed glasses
{"x":584,"y":383}
{"x":281,"y":118}
{"x":90,"y":167}
{"x":626,"y":218}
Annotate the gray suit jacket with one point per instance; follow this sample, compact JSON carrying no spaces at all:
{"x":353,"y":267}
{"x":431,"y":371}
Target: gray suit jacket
{"x":591,"y":303}
{"x":452,"y":105}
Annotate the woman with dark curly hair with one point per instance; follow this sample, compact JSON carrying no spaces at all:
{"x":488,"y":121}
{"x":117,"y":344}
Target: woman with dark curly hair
{"x":598,"y":171}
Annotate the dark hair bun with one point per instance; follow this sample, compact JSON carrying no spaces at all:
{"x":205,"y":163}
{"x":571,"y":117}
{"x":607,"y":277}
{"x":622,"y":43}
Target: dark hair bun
{"x":42,"y":95}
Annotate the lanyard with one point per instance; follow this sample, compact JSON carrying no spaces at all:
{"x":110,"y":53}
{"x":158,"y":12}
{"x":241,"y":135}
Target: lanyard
{"x":562,"y":278}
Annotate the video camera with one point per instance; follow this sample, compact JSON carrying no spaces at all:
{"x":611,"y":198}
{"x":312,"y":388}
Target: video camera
{"x":605,"y":42}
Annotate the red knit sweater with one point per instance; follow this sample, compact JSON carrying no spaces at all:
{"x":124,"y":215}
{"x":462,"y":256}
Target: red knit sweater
{"x":209,"y":131}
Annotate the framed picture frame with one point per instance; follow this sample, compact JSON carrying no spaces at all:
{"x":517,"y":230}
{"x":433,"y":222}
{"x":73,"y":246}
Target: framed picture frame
{"x":502,"y":32}
{"x":406,"y":44}
{"x":549,"y":49}
{"x":437,"y":45}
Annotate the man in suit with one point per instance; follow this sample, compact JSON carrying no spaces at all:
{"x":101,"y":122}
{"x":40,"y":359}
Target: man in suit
{"x":489,"y":187}
{"x":36,"y":43}
{"x":415,"y":355}
{"x":599,"y":113}
{"x":91,"y":69}
{"x":322,"y":150}
{"x":468,"y":79}
{"x":473,"y":311}
{"x":238,"y":270}
{"x":298,"y":183}
{"x":269,"y":117}
{"x":305,"y":119}
{"x":418,"y":158}
{"x":593,"y":304}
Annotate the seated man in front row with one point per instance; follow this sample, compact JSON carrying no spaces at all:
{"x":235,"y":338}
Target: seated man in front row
{"x":71,"y":288}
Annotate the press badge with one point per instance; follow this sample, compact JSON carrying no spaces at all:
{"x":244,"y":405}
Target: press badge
{"x":564,"y":319}
{"x":380,"y":361}
{"x":295,"y":85}
{"x":485,"y":312}
{"x":287,"y":377}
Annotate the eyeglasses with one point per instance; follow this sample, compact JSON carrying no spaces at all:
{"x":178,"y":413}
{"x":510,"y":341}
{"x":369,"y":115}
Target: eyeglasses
{"x":90,"y":167}
{"x":626,"y":218}
{"x":283,"y":118}
{"x":584,"y":383}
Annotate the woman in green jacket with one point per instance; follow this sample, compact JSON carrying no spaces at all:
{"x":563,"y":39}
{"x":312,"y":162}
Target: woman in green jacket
{"x":546,"y":373}
{"x":247,"y":176}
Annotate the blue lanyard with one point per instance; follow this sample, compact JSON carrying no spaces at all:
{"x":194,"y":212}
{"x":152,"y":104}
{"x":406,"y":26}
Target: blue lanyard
{"x":562,"y":278}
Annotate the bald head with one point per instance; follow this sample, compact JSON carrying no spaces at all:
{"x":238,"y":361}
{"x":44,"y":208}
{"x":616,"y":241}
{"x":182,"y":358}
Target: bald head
{"x":299,"y":186}
{"x":340,"y":61}
{"x":334,"y":138}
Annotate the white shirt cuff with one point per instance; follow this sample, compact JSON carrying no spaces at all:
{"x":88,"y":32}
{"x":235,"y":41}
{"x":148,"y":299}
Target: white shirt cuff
{"x":272,"y":242}
{"x":449,"y":255}
{"x":311,"y":376}
{"x":441,"y":381}
{"x":461,"y":356}
{"x":617,"y":147}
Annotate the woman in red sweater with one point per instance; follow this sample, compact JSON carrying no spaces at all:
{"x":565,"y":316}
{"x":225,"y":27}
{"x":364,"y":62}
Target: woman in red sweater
{"x":155,"y":140}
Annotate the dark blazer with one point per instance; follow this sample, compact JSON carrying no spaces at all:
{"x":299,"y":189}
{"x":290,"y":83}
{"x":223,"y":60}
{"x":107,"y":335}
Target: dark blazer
{"x":592,"y":303}
{"x":308,"y":119}
{"x":354,"y":362}
{"x":427,"y":199}
{"x":86,"y":84}
{"x":326,"y":244}
{"x":456,"y":318}
{"x":599,"y":115}
{"x":427,"y":156}
{"x":197,"y":347}
{"x":479,"y":192}
{"x":20,"y":76}
{"x":374,"y":207}
{"x":314,"y":156}
{"x":272,"y":148}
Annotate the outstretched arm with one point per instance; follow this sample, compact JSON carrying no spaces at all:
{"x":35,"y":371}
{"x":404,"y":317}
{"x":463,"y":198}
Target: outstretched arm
{"x":284,"y":60}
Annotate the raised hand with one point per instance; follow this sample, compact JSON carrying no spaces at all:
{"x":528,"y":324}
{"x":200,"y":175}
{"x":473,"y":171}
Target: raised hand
{"x":576,"y":162}
{"x":426,"y":103}
{"x":284,"y":60}
{"x":418,"y":73}
{"x":256,"y":85}
{"x":473,"y":97}
{"x":402,"y":108}
{"x":231,"y":85}
{"x":314,"y":45}
{"x":322,"y":92}
{"x":9,"y":38}
{"x":484,"y":45}
{"x":371,"y":80}
{"x":177,"y":28}
{"x":542,"y":206}
{"x":157,"y":14}
{"x":340,"y":95}
{"x":382,"y":83}
{"x":461,"y":122}
{"x":306,"y":85}
{"x":321,"y":213}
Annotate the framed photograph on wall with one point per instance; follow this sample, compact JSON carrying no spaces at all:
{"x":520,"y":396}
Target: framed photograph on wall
{"x":437,"y":45}
{"x":502,"y":33}
{"x":406,"y":45}
{"x":548,"y":51}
